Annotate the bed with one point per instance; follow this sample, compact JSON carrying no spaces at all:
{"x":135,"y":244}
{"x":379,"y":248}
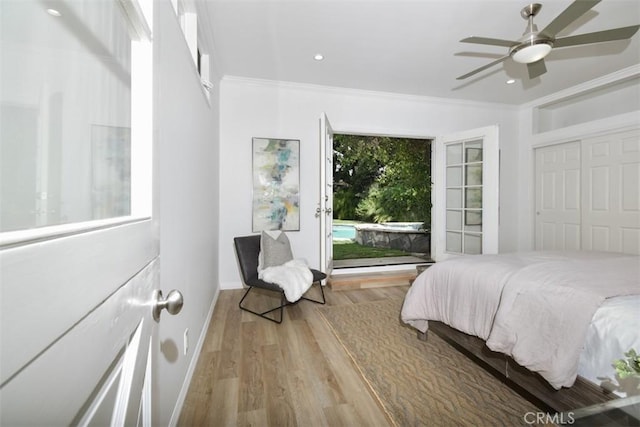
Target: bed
{"x":562,"y":316}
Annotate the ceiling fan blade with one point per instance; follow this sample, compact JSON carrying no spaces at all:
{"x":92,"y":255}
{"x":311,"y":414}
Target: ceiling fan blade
{"x":536,"y":69}
{"x":566,"y":17}
{"x":484,"y":67}
{"x":489,"y":41}
{"x":622,"y":33}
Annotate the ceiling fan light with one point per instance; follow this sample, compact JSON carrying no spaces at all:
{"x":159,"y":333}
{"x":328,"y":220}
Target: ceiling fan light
{"x":531,"y":53}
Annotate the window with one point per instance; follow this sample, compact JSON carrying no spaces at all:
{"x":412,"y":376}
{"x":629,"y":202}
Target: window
{"x":188,"y":18}
{"x":75,"y":121}
{"x":464,"y":197}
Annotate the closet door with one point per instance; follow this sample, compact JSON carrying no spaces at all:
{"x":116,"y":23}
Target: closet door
{"x":557,"y":224}
{"x":611,"y":193}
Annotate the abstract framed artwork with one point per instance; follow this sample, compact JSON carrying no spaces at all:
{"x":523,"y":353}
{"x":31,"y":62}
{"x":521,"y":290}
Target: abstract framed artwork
{"x":276,"y":184}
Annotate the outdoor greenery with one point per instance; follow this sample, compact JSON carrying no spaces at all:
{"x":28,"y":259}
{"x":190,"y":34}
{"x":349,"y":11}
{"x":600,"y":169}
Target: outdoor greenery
{"x":351,"y":250}
{"x":626,"y":367}
{"x":381,"y":179}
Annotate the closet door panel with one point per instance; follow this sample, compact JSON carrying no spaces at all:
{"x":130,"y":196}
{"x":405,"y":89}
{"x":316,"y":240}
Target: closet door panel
{"x":611,"y":193}
{"x":558,"y":195}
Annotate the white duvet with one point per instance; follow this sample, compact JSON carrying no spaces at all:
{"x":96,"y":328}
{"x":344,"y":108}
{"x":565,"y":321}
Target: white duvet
{"x":614,"y":329}
{"x":499,"y":299}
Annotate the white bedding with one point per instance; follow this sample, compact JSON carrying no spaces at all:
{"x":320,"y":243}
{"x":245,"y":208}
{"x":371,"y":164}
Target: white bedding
{"x":466,"y":293}
{"x":614,"y":329}
{"x":462,"y":292}
{"x":546,"y":308}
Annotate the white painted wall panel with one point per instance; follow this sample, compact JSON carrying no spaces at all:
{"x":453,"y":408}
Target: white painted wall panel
{"x":187,"y":135}
{"x":265,"y":109}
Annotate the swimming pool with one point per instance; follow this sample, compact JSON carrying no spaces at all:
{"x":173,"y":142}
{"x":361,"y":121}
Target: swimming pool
{"x":344,"y":232}
{"x":406,"y":236}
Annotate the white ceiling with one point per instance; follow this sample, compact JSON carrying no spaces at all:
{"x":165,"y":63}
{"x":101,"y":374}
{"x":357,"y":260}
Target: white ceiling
{"x":409,"y":47}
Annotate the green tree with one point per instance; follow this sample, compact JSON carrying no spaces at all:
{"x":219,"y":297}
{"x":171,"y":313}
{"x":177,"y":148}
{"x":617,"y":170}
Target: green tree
{"x":357,"y":163}
{"x":382,"y":179}
{"x":405,"y":183}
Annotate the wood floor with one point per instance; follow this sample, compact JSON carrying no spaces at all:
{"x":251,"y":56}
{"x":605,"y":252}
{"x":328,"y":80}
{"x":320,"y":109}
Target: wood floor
{"x":255,"y":372}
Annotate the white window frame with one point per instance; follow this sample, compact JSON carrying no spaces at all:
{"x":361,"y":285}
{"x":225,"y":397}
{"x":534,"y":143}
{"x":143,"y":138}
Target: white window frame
{"x":138,"y":14}
{"x":490,"y":190}
{"x":187,"y":15}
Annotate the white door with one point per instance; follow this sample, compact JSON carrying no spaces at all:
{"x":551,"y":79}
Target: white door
{"x":611,"y":194}
{"x":73,"y":355}
{"x":557,"y":223}
{"x":325,"y":208}
{"x":78,"y":335}
{"x":465,"y":196}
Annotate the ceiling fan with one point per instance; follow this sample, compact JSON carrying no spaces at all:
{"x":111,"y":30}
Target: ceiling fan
{"x":534,"y":45}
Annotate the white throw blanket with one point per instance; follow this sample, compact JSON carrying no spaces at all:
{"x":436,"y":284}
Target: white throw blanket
{"x":294,"y":277}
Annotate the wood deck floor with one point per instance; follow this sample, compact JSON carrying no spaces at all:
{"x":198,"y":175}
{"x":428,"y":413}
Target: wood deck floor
{"x":255,"y":372}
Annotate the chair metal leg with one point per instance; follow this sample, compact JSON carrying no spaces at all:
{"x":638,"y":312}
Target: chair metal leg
{"x":317,"y":301}
{"x":283,"y":303}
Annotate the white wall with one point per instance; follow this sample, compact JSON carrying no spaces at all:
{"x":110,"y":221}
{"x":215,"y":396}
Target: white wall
{"x":186,"y":133}
{"x":250,"y":108}
{"x":602,"y":122}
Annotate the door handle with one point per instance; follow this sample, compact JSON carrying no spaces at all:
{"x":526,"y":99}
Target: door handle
{"x":173,"y":303}
{"x":328,"y":211}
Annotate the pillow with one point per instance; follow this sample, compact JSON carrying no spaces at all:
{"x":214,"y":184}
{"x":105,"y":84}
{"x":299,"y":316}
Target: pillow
{"x":275,"y":250}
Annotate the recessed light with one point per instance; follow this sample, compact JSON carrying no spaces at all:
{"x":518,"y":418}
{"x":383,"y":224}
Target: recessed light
{"x":510,"y":81}
{"x":53,"y":12}
{"x":318,"y":57}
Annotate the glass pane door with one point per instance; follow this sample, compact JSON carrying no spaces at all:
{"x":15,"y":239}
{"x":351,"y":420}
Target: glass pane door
{"x":464,"y":197}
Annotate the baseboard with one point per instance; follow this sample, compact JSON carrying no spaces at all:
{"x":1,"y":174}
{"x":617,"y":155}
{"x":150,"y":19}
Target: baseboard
{"x":175,"y":416}
{"x":231,"y":285}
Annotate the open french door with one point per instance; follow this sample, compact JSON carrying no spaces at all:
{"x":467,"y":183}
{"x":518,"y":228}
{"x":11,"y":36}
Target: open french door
{"x":465,"y":197}
{"x":325,"y":206}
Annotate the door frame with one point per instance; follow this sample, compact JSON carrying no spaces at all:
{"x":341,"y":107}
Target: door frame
{"x":385,"y":133}
{"x":490,"y":190}
{"x":325,"y":205}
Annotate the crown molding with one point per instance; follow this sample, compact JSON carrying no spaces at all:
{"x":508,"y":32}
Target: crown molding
{"x":624,"y":74}
{"x":362,"y":93}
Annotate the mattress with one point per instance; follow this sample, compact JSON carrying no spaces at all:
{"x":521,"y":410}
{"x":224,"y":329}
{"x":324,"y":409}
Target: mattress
{"x":474,"y":294}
